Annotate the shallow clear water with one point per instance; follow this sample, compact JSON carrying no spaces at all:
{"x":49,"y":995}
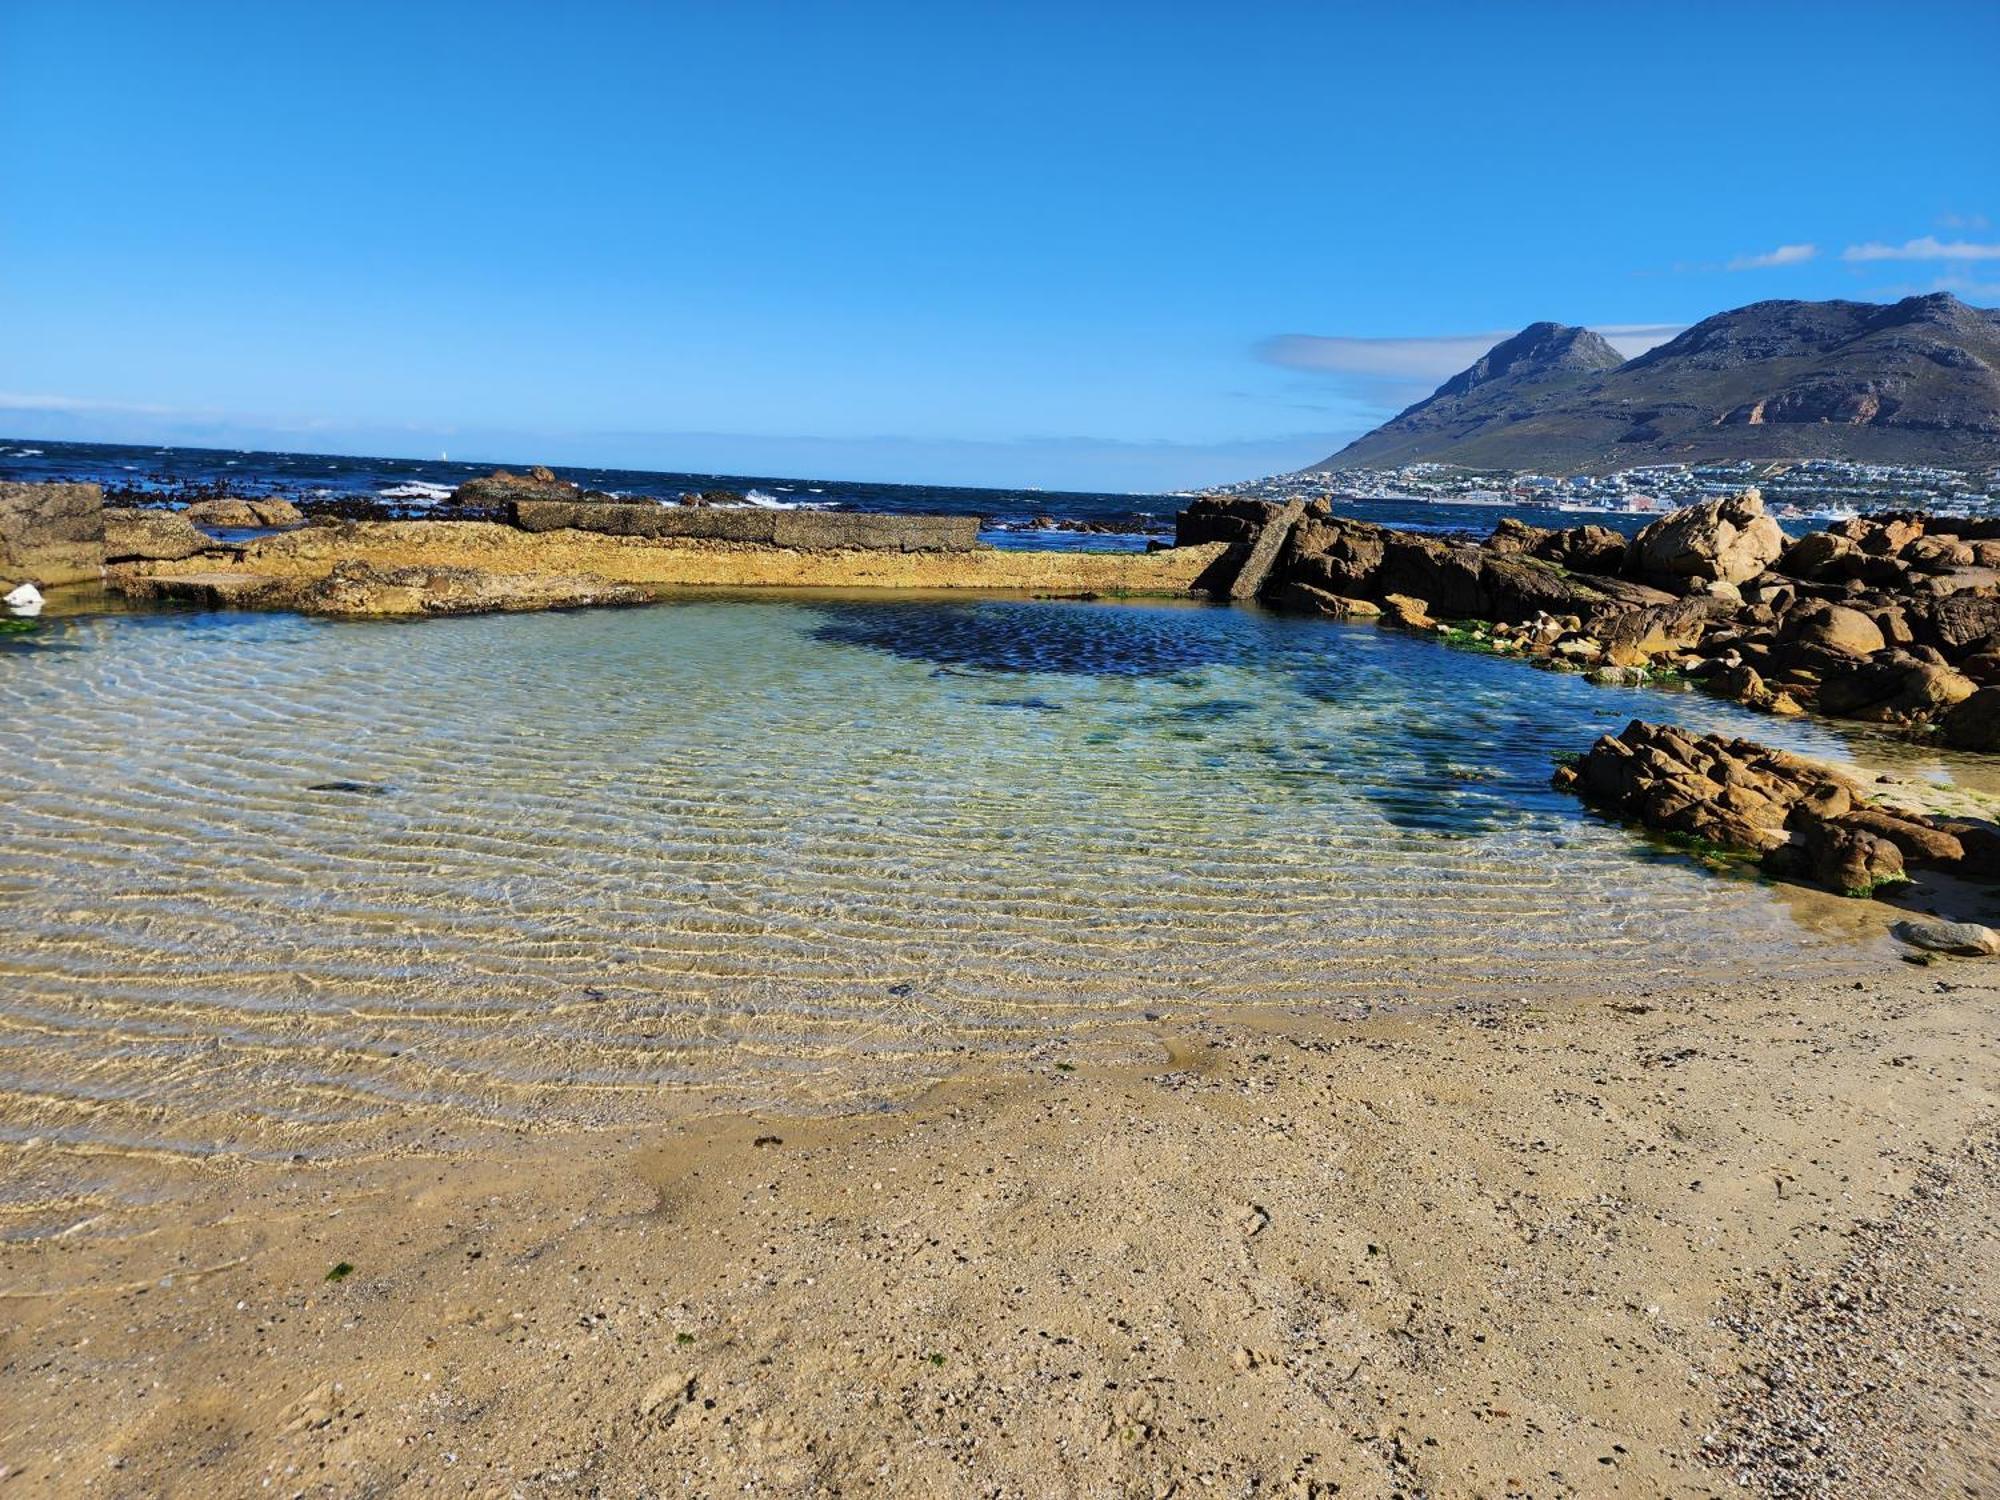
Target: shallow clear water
{"x":563,"y":864}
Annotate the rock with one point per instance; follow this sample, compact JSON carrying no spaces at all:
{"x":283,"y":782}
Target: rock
{"x":1512,"y":538}
{"x":1519,"y":588}
{"x":1219,"y":518}
{"x":1341,"y":557}
{"x":1445,"y":575}
{"x":51,"y":533}
{"x":502,"y":487}
{"x":245,"y":515}
{"x":1407,"y":613}
{"x":1938,"y":554}
{"x":1955,"y":623}
{"x":1847,"y":859}
{"x":277,"y":514}
{"x":1834,"y":627}
{"x":360,"y":589}
{"x":1919,"y":840}
{"x":1805,"y":820}
{"x":218,"y":588}
{"x":1263,"y":557}
{"x":1634,"y":637}
{"x":1585,"y":549}
{"x":1731,"y":539}
{"x":150,"y":536}
{"x":1303,"y":598}
{"x":1968,"y":939}
{"x":224,"y":515}
{"x":1974,"y":723}
{"x":1822,"y":554}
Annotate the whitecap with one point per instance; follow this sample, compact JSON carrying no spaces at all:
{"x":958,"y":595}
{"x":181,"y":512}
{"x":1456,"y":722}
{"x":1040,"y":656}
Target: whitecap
{"x":416,"y":489}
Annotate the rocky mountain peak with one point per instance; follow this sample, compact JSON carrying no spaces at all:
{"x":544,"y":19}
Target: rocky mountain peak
{"x":1540,"y":351}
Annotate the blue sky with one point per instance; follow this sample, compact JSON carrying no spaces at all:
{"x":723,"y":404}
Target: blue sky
{"x":1070,"y":245}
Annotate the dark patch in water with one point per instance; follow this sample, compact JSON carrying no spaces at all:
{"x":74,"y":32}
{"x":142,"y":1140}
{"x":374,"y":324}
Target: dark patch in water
{"x":1036,"y":705}
{"x":356,"y":788}
{"x":1007,"y":636}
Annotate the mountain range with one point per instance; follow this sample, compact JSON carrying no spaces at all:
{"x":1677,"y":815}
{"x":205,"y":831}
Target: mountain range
{"x":1909,"y":382}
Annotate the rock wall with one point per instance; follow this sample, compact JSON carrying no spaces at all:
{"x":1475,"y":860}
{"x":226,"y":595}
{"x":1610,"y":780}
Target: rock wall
{"x":51,"y":533}
{"x":806,"y":530}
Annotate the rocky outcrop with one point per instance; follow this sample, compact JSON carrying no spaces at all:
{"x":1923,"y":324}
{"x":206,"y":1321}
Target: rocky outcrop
{"x":51,"y":534}
{"x":503,"y":488}
{"x":810,"y":530}
{"x":360,"y":589}
{"x":1730,"y":540}
{"x":1893,"y":619}
{"x":245,"y":515}
{"x":1801,"y":820}
{"x":1263,"y":554}
{"x":151,"y":536}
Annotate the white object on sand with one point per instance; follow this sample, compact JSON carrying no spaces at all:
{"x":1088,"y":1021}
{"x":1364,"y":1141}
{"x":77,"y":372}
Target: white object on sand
{"x":25,"y":600}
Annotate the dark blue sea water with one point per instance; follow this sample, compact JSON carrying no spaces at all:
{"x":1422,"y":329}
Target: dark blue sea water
{"x":1013,"y":517}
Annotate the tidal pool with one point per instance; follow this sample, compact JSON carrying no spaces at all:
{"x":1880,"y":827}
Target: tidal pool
{"x":275,"y":885}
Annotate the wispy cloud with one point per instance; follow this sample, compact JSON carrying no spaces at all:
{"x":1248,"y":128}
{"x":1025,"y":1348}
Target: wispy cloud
{"x":1927,"y":247}
{"x":1425,"y":358}
{"x":1784,"y":255}
{"x":14,"y":401}
{"x":1964,"y":221}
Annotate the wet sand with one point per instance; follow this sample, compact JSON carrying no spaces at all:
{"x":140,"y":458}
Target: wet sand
{"x":1517,"y":1248}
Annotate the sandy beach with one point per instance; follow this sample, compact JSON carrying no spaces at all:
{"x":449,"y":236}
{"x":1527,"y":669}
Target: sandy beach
{"x":1670,"y":1241}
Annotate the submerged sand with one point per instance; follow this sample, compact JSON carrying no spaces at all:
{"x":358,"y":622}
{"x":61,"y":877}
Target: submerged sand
{"x":1517,"y":1248}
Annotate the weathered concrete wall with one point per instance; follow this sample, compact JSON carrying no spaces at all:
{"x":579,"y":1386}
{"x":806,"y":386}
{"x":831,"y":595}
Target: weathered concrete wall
{"x":807,"y":530}
{"x":51,"y":533}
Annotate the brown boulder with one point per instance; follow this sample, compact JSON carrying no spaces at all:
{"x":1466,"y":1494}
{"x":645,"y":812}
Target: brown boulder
{"x":1847,"y":859}
{"x":1731,"y":539}
{"x":1407,"y":613}
{"x":1586,"y":549}
{"x":1305,"y":599}
{"x":1209,"y":518}
{"x":1834,"y":627}
{"x":1973,"y":724}
{"x":1820,"y":555}
{"x":1445,"y":575}
{"x":1339,"y":556}
{"x":51,"y":533}
{"x":502,"y":487}
{"x":150,"y":536}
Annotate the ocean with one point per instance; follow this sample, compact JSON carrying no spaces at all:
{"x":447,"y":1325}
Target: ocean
{"x":411,"y":486}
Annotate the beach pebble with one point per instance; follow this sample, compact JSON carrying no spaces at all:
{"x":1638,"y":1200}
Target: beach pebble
{"x":1969,"y":939}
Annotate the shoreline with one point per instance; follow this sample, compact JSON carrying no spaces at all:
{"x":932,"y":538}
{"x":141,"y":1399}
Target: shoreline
{"x":1486,"y":1250}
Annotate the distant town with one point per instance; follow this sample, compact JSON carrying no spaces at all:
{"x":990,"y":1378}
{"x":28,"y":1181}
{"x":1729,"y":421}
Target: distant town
{"x":1815,"y":488}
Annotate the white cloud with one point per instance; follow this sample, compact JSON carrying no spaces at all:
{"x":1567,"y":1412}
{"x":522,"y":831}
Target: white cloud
{"x":1929,"y":247}
{"x":1430,"y":358}
{"x":1784,"y":255}
{"x":1964,"y":221}
{"x":10,"y":401}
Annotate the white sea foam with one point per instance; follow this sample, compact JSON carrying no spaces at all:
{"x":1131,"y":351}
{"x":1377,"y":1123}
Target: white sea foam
{"x":416,"y":489}
{"x":762,"y":501}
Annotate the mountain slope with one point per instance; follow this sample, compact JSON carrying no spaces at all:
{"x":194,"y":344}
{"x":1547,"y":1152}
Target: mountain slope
{"x":1916,"y":381}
